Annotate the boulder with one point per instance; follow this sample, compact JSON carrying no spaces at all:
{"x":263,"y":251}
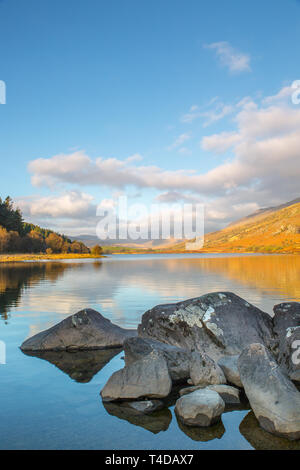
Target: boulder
{"x":289,"y":352}
{"x":218,"y":324}
{"x":286,"y":314}
{"x":216,"y":431}
{"x":84,"y":330}
{"x":273,"y":397}
{"x":200,"y":408}
{"x":178,"y":360}
{"x":229,"y":365}
{"x":286,"y":323}
{"x":205,"y":371}
{"x":230,"y":395}
{"x":146,"y":378}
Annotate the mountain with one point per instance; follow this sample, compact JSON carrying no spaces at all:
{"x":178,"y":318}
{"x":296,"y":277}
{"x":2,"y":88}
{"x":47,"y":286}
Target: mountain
{"x":269,"y":230}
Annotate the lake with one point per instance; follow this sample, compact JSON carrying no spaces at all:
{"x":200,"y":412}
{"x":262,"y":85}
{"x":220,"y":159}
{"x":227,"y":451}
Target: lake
{"x":54,"y":402}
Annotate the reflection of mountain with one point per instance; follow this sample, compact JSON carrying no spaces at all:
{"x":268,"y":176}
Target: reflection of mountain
{"x":80,"y":365}
{"x":17,"y":277}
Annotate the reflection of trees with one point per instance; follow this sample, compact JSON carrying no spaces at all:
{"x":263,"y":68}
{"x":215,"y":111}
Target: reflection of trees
{"x":17,"y":277}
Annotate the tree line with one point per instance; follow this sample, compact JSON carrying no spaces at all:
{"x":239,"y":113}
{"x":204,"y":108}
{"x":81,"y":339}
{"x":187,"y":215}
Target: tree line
{"x":17,"y":236}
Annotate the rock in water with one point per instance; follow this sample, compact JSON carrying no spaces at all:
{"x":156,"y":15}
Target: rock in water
{"x":287,"y":330}
{"x":178,"y":360}
{"x":205,"y":371}
{"x":200,"y":408}
{"x":218,"y":324}
{"x":86,"y":329}
{"x":230,"y":395}
{"x":273,"y":397}
{"x":148,"y":377}
{"x":229,"y":365}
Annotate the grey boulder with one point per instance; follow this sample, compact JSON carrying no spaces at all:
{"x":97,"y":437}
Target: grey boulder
{"x":146,"y":378}
{"x":273,"y":397}
{"x":84,"y":330}
{"x":178,"y":360}
{"x":218,"y":324}
{"x":205,"y":371}
{"x":200,"y":408}
{"x":229,"y":365}
{"x":286,"y":323}
{"x":230,"y":395}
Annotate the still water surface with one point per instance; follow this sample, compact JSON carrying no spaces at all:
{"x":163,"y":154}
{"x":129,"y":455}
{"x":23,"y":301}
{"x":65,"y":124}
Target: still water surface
{"x":53,"y":402}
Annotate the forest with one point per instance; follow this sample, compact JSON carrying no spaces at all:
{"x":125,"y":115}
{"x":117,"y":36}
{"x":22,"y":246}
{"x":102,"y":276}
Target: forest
{"x":17,"y":236}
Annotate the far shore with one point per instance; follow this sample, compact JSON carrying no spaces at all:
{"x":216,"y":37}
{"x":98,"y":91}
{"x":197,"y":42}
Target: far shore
{"x":7,"y":258}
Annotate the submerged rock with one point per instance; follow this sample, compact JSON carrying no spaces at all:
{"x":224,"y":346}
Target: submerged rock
{"x":156,"y":422}
{"x":218,"y":324}
{"x":78,"y":365}
{"x":146,"y":406}
{"x":200,"y":408}
{"x":273,"y":397}
{"x":205,"y":371}
{"x":148,"y":377}
{"x":229,"y":365}
{"x":216,"y":431}
{"x":230,"y":395}
{"x":84,"y":330}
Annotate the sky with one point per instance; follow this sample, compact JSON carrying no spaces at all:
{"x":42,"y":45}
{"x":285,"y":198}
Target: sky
{"x":164,"y":101}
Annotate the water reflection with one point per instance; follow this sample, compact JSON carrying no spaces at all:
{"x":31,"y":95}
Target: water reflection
{"x":80,"y":366}
{"x":156,"y":422}
{"x":262,"y":440}
{"x":202,"y":434}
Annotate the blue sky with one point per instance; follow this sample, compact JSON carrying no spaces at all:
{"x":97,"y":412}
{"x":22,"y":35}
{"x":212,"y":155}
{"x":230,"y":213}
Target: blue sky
{"x":177,"y":84}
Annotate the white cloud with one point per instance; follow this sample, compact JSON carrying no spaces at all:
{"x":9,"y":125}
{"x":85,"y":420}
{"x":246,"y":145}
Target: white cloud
{"x":230,"y":57}
{"x":264,"y":170}
{"x":179,"y":141}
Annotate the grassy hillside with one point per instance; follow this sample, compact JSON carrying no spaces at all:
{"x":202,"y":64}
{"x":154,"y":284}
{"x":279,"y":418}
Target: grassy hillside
{"x":268,"y":231}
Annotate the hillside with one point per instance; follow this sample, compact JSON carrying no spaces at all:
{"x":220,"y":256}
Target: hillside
{"x":272,"y":230}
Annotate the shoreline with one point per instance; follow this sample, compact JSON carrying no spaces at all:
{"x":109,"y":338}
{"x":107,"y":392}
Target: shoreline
{"x":9,"y":258}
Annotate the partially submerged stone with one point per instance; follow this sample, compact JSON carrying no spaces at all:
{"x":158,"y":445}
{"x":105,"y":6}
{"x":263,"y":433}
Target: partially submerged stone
{"x":146,"y":378}
{"x":218,"y":324}
{"x":200,"y":408}
{"x":84,"y":330}
{"x":230,"y":395}
{"x":273,"y":397}
{"x":146,"y":406}
{"x":229,"y":365}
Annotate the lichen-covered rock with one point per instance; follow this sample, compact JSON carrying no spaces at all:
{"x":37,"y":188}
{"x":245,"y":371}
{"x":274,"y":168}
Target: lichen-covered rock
{"x":146,"y":378}
{"x":218,"y":324}
{"x":230,"y":395}
{"x":200,"y":408}
{"x":273,"y":397}
{"x":84,"y":330}
{"x":178,"y":360}
{"x":205,"y":371}
{"x":229,"y":365}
